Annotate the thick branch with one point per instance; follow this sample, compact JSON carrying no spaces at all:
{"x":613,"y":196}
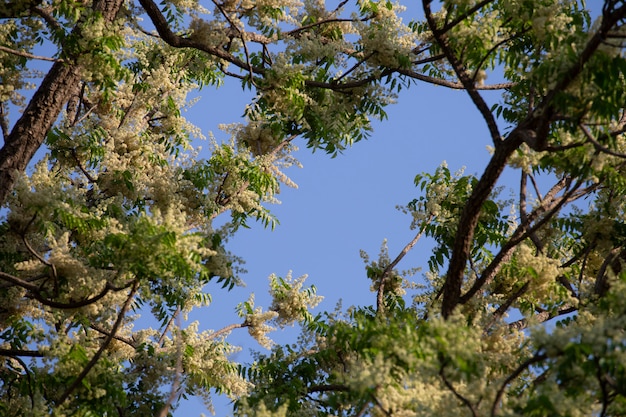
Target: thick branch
{"x":17,"y":9}
{"x":18,"y":352}
{"x":176,"y":41}
{"x":549,"y":207}
{"x":42,"y":111}
{"x":533,"y":131}
{"x":469,"y":219}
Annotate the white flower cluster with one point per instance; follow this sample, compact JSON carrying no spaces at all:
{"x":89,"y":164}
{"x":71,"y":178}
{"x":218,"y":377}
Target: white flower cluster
{"x":262,"y":13}
{"x":386,"y":37}
{"x":209,"y":364}
{"x":290,"y":301}
{"x":440,"y":187}
{"x":551,"y":18}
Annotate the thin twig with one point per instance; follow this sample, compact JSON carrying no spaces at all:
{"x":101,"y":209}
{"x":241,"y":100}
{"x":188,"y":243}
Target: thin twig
{"x":521,"y":368}
{"x":177,"y":372}
{"x":104,"y":332}
{"x":464,"y":400}
{"x":598,"y":145}
{"x":28,"y":55}
{"x":227,"y":329}
{"x":380,"y":306}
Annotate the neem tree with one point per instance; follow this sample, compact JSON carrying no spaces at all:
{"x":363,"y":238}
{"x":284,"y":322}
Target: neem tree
{"x":117,"y":217}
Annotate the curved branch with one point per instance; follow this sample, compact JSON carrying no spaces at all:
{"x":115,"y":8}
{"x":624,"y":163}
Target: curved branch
{"x":176,"y":41}
{"x":521,"y":368}
{"x":36,"y":292}
{"x":599,"y":147}
{"x":442,"y":40}
{"x":105,"y":344}
{"x":449,"y":385}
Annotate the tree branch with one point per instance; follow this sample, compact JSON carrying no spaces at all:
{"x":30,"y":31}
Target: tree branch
{"x":30,"y":130}
{"x":176,"y":41}
{"x":517,"y":372}
{"x":105,"y":344}
{"x":469,"y":85}
{"x":450,"y":84}
{"x":449,"y":385}
{"x":28,"y":55}
{"x":19,"y":352}
{"x":380,"y":305}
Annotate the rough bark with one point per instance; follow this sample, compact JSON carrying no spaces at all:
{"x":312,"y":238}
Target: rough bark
{"x":30,"y":130}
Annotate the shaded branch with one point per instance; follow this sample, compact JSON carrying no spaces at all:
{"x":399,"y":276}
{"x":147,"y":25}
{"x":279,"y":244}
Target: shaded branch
{"x":328,"y":388}
{"x":176,"y":41}
{"x":449,"y":385}
{"x":465,"y":15}
{"x":541,"y":317}
{"x":533,"y":131}
{"x":599,"y":147}
{"x":118,"y":322}
{"x":517,"y":372}
{"x":497,"y":315}
{"x":19,"y":352}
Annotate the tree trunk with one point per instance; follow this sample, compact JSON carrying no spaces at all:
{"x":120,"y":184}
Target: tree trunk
{"x":42,"y":111}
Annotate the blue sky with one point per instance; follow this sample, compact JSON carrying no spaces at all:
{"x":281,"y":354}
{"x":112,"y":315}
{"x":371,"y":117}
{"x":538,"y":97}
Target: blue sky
{"x":343,"y":204}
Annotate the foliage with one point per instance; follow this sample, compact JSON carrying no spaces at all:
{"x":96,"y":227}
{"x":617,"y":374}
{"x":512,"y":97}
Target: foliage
{"x":520,"y":311}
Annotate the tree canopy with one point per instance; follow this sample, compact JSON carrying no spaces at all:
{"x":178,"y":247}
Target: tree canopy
{"x":520,"y":311}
